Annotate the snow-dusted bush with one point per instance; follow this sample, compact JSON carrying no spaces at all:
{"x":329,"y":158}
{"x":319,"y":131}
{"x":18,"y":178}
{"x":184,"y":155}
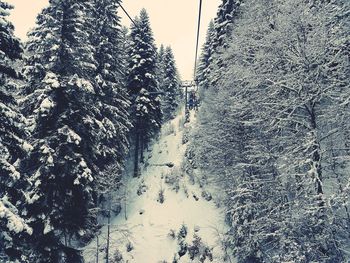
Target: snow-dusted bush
{"x":161,"y":197}
{"x":129,"y":247}
{"x":173,"y":178}
{"x":117,"y":257}
{"x":142,"y":188}
{"x":182,"y":232}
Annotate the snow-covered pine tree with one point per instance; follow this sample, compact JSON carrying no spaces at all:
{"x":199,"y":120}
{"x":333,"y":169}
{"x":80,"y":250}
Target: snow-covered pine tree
{"x":73,"y":93}
{"x":171,"y":85}
{"x":206,"y":58}
{"x":142,"y":84}
{"x":111,"y":45}
{"x":125,"y":46}
{"x":160,"y":68}
{"x":13,"y":146}
{"x":224,"y":22}
{"x":110,"y":55}
{"x":228,"y":11}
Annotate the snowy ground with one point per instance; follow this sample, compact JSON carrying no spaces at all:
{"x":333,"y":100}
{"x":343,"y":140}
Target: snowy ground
{"x":148,"y":233}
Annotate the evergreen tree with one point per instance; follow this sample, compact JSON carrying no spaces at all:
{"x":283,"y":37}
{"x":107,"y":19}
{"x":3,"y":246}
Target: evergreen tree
{"x":13,"y":146}
{"x":224,"y":21}
{"x":228,"y":11}
{"x":143,"y":85}
{"x":203,"y":71}
{"x":110,"y":56}
{"x":171,"y":85}
{"x":161,"y":67}
{"x":78,"y":123}
{"x":125,"y":47}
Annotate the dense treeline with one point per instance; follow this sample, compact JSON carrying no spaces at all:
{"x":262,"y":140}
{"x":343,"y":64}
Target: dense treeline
{"x":273,"y":131}
{"x":86,"y":91}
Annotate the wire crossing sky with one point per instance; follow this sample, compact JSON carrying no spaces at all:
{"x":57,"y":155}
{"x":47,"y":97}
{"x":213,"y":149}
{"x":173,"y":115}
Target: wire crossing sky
{"x":173,"y":22}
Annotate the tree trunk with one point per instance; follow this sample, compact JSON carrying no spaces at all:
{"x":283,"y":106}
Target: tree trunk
{"x":316,"y":158}
{"x":125,"y":212}
{"x":136,"y":157}
{"x":142,"y":142}
{"x":97,"y":248}
{"x":108,"y":229}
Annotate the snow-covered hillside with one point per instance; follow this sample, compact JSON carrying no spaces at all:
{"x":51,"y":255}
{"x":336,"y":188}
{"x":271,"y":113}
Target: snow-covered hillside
{"x":152,"y":231}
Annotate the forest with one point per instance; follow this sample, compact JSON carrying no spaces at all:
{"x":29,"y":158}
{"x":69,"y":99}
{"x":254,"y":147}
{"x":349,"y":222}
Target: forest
{"x":102,"y":160}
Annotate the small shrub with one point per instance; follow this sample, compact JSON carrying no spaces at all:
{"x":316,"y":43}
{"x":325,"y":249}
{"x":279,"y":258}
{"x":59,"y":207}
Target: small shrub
{"x":207,"y":196}
{"x":172,"y":234}
{"x":142,"y":188}
{"x":183,"y":248}
{"x":129,"y":247}
{"x":117,"y":257}
{"x":161,"y":197}
{"x":182,"y":232}
{"x":173,"y":179}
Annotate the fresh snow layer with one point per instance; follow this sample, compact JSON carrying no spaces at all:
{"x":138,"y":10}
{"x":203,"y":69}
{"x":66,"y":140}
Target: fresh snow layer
{"x":149,"y":222}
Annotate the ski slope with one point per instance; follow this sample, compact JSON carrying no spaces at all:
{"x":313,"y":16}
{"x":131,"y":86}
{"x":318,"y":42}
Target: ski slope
{"x":149,"y":230}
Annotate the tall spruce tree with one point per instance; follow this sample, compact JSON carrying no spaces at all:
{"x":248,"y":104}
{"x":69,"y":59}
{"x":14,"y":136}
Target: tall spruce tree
{"x":143,"y":85}
{"x":228,"y":11}
{"x":160,"y":67}
{"x":78,"y":123}
{"x":110,"y":58}
{"x":206,"y":58}
{"x":224,"y":21}
{"x":13,"y":146}
{"x":171,"y":85}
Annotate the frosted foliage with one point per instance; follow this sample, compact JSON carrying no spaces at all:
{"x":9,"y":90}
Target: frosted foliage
{"x":46,"y":105}
{"x":83,"y":84}
{"x":27,"y":147}
{"x":12,"y":171}
{"x":51,"y":80}
{"x":47,"y":157}
{"x":71,"y":136}
{"x":14,"y":222}
{"x":85,"y":173}
{"x":274,"y":127}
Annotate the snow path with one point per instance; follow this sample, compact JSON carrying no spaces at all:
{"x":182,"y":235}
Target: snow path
{"x":149,"y":222}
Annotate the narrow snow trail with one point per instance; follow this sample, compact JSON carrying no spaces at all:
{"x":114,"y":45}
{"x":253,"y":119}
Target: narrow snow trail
{"x":148,"y":222}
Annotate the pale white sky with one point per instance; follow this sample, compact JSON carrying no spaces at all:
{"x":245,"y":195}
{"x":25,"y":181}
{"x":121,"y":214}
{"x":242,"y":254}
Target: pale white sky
{"x":174,"y":22}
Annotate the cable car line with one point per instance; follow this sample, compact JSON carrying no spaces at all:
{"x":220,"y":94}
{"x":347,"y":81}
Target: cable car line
{"x":135,"y":24}
{"x":127,"y":14}
{"x":198,"y":34}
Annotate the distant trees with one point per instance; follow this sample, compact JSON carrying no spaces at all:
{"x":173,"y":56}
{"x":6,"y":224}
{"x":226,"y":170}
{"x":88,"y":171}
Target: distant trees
{"x":274,"y":125}
{"x":153,"y":84}
{"x":206,"y":58}
{"x":171,"y":85}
